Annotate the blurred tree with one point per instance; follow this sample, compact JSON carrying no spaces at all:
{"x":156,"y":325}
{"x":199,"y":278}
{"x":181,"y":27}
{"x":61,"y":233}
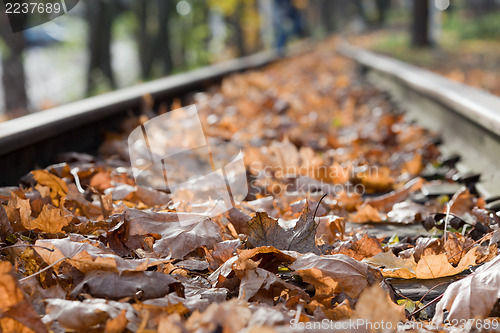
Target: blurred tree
{"x":100,"y":17}
{"x":243,"y":21}
{"x":420,"y":24}
{"x":153,"y":35}
{"x":13,"y":76}
{"x":382,"y":8}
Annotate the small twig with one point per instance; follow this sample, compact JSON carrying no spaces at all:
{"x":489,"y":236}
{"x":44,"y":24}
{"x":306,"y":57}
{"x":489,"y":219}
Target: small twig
{"x":319,"y":202}
{"x":43,"y":270}
{"x":22,"y":245}
{"x":425,"y":306}
{"x":428,"y":291}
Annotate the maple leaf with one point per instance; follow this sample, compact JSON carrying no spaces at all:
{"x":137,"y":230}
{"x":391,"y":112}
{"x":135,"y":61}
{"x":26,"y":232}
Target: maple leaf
{"x":431,"y":266}
{"x":265,"y":231}
{"x":50,"y":220}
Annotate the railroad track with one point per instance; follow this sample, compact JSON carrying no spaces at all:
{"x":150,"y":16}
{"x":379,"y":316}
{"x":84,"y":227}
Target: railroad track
{"x":36,"y":139}
{"x":468,"y":119}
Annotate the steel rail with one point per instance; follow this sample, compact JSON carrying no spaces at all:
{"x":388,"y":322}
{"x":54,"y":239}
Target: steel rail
{"x":467,"y":118}
{"x":35,"y":139}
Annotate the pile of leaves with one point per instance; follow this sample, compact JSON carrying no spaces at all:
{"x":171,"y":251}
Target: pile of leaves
{"x":330,"y":162}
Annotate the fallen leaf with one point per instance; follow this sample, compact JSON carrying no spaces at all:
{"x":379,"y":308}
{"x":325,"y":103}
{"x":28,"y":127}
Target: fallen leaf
{"x":472,"y":297}
{"x":365,"y":213}
{"x":16,"y":313}
{"x":86,"y":255}
{"x":333,"y":274}
{"x":139,"y":285}
{"x":364,"y":247}
{"x":177,"y":238}
{"x":428,"y":267}
{"x":50,"y":220}
{"x":82,"y":316}
{"x":385,"y":203}
{"x":375,"y":306}
{"x":407,"y":212}
{"x":265,"y":231}
{"x":58,"y":187}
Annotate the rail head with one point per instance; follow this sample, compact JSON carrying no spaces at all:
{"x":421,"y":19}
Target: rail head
{"x":479,"y":106}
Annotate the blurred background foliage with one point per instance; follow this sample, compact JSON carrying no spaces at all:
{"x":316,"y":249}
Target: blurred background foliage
{"x":102,"y":45}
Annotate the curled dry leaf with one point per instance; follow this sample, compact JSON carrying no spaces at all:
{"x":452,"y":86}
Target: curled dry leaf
{"x":365,"y":213}
{"x":472,"y":297}
{"x":139,"y":285}
{"x":178,"y":238}
{"x":265,"y":231}
{"x":58,"y":187}
{"x":385,"y":202}
{"x":82,"y":316}
{"x":86,"y":255}
{"x":360,"y":248}
{"x":333,"y":274}
{"x":16,"y":312}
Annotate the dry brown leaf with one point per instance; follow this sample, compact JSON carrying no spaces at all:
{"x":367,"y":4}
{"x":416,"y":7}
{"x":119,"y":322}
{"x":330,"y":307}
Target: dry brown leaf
{"x":472,"y":297}
{"x":230,"y":317}
{"x":365,"y":213}
{"x":18,"y":212}
{"x":111,"y":285}
{"x":359,"y":249}
{"x":16,"y":313}
{"x":265,"y":231}
{"x":384,"y":203}
{"x":330,"y":228}
{"x":375,"y":306}
{"x":58,"y":187}
{"x":117,"y":324}
{"x":50,"y":220}
{"x":462,"y":202}
{"x":82,"y":316}
{"x":428,"y":267}
{"x":333,"y":274}
{"x":86,"y":255}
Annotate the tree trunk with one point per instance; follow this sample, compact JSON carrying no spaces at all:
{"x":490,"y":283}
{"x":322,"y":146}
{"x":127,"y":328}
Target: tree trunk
{"x":13,"y":76}
{"x":420,"y":26}
{"x":100,"y":16}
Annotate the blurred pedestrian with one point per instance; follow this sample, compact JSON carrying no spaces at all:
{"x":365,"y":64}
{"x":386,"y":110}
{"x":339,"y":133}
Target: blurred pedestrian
{"x":287,"y":22}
